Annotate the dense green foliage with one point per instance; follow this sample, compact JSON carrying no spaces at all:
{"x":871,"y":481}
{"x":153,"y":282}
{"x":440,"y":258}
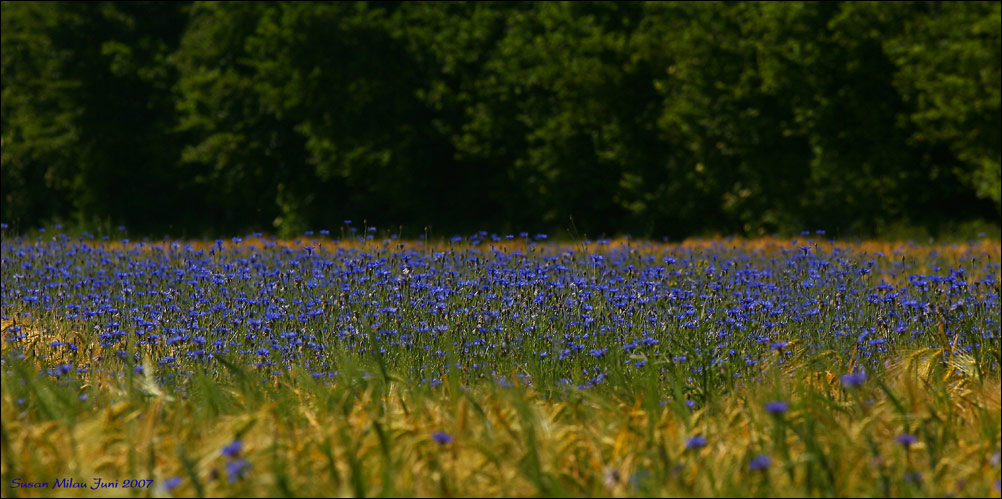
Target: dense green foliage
{"x":649,"y":118}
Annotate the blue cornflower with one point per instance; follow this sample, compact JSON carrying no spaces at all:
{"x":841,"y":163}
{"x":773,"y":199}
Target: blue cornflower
{"x":172,"y":483}
{"x":696,"y":442}
{"x":853,"y":380}
{"x":906,"y":439}
{"x":760,"y":462}
{"x":233,"y":450}
{"x":441,"y":437}
{"x":776,"y":408}
{"x":237,"y":469}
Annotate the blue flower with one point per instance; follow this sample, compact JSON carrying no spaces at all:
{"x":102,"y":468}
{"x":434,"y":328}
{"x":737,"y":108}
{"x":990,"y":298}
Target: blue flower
{"x":233,"y":450}
{"x":776,"y":408}
{"x":906,"y":439}
{"x":441,"y":437}
{"x":237,"y":469}
{"x":760,"y":462}
{"x":172,"y":483}
{"x":696,"y":442}
{"x":853,"y":380}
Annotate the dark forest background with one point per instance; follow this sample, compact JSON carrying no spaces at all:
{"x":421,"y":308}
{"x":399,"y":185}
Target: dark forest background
{"x":654,"y":119}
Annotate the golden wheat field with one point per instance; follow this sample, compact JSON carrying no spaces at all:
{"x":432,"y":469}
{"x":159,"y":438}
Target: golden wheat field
{"x":601,"y":369}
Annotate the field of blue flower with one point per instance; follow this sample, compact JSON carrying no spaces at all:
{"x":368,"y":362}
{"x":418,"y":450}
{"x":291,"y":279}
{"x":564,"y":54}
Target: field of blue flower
{"x":499,"y":365}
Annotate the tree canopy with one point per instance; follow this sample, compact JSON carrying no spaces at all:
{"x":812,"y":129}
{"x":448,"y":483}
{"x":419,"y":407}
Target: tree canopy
{"x":627,"y":117}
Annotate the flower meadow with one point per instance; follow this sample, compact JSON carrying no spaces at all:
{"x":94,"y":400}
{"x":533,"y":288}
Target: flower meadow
{"x":495,"y":365}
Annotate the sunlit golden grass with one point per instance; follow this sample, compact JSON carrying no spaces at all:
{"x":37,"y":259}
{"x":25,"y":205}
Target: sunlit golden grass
{"x":893,"y":249}
{"x":369,"y":432}
{"x":368,"y":435}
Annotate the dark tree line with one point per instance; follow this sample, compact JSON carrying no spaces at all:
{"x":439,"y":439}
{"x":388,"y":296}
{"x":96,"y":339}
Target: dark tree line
{"x":646,"y":118}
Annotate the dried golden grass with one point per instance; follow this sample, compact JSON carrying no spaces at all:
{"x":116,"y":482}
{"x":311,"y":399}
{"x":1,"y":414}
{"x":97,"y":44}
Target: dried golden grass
{"x":377,"y":439}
